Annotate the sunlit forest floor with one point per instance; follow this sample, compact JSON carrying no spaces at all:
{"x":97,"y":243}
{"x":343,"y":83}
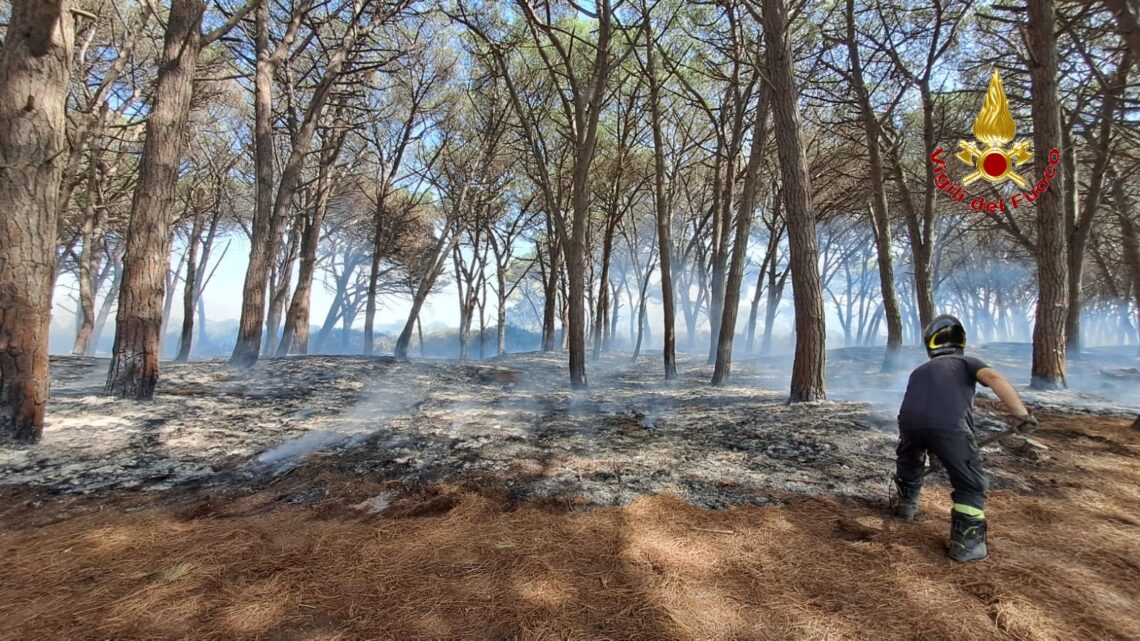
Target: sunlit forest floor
{"x":346,"y":498}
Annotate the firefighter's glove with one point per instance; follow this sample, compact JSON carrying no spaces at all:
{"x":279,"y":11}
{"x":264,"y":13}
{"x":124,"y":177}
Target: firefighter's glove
{"x":1026,"y":424}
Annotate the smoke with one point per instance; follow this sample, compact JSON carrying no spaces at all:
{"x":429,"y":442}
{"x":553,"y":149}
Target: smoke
{"x":332,"y":428}
{"x":300,"y":447}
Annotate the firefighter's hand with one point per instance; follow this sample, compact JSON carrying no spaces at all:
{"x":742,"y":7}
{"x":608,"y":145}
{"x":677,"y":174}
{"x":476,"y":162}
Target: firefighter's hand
{"x":1026,"y":424}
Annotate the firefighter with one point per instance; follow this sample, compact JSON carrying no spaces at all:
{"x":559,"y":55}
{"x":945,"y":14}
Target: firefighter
{"x":937,"y":416}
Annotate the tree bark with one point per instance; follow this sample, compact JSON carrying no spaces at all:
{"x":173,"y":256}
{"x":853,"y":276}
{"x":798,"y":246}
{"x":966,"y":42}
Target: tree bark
{"x":501,"y":310}
{"x":116,"y":267}
{"x":602,"y":307}
{"x":811,"y":337}
{"x":661,"y":211}
{"x":265,"y":239}
{"x":550,"y":297}
{"x":93,"y":236}
{"x":880,"y":221}
{"x":281,"y":277}
{"x":374,"y":266}
{"x":1130,"y":235}
{"x":35,"y":75}
{"x":1080,"y":227}
{"x":189,"y":289}
{"x":388,"y":173}
{"x":723,"y":367}
{"x":422,"y":292}
{"x":134,"y":357}
{"x":295,"y":336}
{"x":1048,"y":371}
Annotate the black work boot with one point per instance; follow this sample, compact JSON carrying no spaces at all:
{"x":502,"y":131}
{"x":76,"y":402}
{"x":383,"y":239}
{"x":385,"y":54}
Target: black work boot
{"x":906,"y":505}
{"x":967,"y":538}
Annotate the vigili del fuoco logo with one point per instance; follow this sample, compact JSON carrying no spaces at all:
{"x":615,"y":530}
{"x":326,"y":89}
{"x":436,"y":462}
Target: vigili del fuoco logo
{"x":996,"y":160}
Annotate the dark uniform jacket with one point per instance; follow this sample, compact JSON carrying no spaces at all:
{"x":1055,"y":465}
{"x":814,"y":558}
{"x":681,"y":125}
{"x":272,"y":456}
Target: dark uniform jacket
{"x":940,"y":394}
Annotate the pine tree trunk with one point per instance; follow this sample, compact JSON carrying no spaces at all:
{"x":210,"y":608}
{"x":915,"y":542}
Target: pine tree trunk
{"x":262,"y":245}
{"x":501,"y":311}
{"x":134,"y":357}
{"x":642,"y":323}
{"x":1085,"y":212}
{"x":279,"y":288}
{"x":879,"y":218}
{"x":661,"y":211}
{"x":266,"y":240}
{"x":811,"y":338}
{"x":35,"y":71}
{"x":380,"y":216}
{"x":443,"y":248}
{"x":725,"y":340}
{"x":1048,"y":370}
{"x":754,"y":306}
{"x":603,"y":303}
{"x":108,"y":301}
{"x":172,"y":277}
{"x":295,"y":338}
{"x":550,"y":300}
{"x":576,"y":308}
{"x":1130,"y":234}
{"x":189,"y":290}
{"x":771,"y":307}
{"x":88,"y":259}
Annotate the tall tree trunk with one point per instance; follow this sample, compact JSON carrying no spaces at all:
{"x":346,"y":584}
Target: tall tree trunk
{"x":611,"y":335}
{"x":716,"y":232}
{"x":443,"y":248}
{"x":642,"y":322}
{"x":108,"y":301}
{"x":776,"y":285}
{"x":172,"y":278}
{"x":279,"y":286}
{"x":420,"y":334}
{"x":465,"y":292}
{"x":601,"y":318}
{"x":881,"y":222}
{"x":1048,"y":370}
{"x":374,"y":263}
{"x":550,"y":300}
{"x":501,"y":311}
{"x":134,"y":358}
{"x":387,"y":175}
{"x":35,"y":75}
{"x":747,"y":206}
{"x":753,"y":311}
{"x":295,"y":339}
{"x":265,"y":239}
{"x":661,"y":211}
{"x":1130,"y":234}
{"x":576,"y":313}
{"x":186,"y":341}
{"x":88,"y":259}
{"x":249,"y":333}
{"x":334,"y":309}
{"x":811,"y":337}
{"x":1080,"y":227}
{"x":189,"y":290}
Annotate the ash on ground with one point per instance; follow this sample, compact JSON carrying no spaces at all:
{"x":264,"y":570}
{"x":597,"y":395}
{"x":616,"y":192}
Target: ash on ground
{"x":511,"y":419}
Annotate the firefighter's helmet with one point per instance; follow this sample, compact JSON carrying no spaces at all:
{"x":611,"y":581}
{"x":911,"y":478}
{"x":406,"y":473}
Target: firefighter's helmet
{"x":944,"y":335}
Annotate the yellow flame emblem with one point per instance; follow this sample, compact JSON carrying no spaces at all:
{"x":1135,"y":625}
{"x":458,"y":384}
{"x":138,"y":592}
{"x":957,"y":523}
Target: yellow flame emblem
{"x":994,"y":127}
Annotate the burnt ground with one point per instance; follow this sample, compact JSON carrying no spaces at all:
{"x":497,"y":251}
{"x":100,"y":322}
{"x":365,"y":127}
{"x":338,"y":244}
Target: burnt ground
{"x":513,"y":419}
{"x":349,"y":498}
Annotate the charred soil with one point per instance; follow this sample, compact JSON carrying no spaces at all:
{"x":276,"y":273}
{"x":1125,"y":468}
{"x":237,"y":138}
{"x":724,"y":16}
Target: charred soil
{"x":446,"y":501}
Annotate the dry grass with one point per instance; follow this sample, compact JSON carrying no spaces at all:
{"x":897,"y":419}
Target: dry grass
{"x":461,"y":564}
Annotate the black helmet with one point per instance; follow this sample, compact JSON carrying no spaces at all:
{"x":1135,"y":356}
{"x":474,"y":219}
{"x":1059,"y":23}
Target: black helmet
{"x":944,"y":335}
